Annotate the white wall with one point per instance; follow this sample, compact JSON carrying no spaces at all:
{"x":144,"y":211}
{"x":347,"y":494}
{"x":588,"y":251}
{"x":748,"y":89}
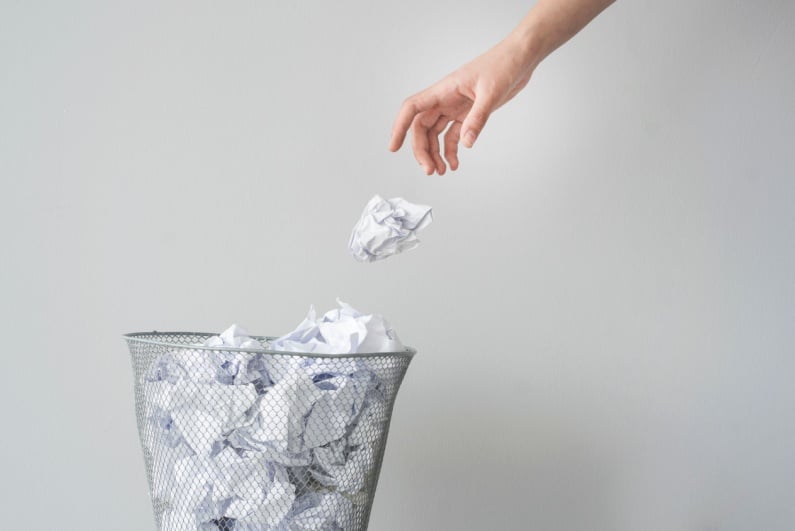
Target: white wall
{"x":603,"y":307}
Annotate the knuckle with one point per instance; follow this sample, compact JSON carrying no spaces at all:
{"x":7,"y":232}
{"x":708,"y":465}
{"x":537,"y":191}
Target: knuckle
{"x":478,"y":119}
{"x":409,"y":106}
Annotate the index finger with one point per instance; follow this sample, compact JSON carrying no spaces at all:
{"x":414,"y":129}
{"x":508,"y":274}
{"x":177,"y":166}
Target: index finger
{"x":411,"y":107}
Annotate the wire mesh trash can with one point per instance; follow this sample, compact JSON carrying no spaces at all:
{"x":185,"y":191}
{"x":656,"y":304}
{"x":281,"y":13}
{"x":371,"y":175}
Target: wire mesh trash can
{"x":245,"y":439}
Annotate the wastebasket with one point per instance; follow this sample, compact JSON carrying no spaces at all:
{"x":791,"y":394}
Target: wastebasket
{"x":245,"y":439}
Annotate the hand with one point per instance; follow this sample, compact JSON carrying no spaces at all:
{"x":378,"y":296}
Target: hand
{"x":461,"y":103}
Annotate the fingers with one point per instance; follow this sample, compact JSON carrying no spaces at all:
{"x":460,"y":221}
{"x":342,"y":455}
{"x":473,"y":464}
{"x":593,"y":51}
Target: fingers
{"x":433,"y":143}
{"x":422,"y":114}
{"x":451,"y":139}
{"x":420,"y":144}
{"x":413,"y":106}
{"x":476,"y":118}
{"x":425,"y":141}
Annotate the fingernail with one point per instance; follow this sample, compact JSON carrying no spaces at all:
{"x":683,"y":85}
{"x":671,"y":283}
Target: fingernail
{"x":469,"y":138}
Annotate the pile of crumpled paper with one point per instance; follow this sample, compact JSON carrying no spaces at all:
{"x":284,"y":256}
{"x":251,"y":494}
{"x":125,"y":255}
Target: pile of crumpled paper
{"x":251,"y":441}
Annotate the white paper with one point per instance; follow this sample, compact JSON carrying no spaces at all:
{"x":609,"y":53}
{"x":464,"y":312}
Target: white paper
{"x":342,"y":466}
{"x":279,"y":498}
{"x":334,"y":412}
{"x":234,"y":336}
{"x":320,"y":512}
{"x":203,"y":412}
{"x":388,"y":227}
{"x":164,"y":458}
{"x":371,"y":421}
{"x":259,"y":491}
{"x":340,"y":331}
{"x":237,"y":437}
{"x":182,"y":364}
{"x":234,"y":367}
{"x":283,"y":409}
{"x":193,"y":476}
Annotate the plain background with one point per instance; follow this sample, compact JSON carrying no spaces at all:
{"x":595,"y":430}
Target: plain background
{"x":604,"y":307}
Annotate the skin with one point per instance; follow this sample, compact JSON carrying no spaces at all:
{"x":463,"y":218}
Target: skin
{"x":458,"y":106}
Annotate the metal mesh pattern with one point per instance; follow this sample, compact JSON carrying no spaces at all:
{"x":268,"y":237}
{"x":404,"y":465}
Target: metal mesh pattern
{"x":250,"y":439}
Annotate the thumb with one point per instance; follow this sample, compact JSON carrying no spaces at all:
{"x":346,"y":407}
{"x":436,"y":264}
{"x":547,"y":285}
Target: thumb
{"x":476,"y":119}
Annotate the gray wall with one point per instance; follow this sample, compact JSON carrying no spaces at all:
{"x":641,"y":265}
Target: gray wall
{"x":604,"y":306}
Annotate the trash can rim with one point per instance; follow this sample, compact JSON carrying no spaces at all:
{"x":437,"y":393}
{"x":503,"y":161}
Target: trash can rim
{"x":146,"y":337}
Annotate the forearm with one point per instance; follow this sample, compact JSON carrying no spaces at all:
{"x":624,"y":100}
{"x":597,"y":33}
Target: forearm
{"x":550,"y":23}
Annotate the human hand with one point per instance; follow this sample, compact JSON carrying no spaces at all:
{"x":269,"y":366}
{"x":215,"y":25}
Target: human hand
{"x":461,"y":104}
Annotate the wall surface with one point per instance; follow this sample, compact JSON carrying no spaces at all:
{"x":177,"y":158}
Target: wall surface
{"x":603,"y":307}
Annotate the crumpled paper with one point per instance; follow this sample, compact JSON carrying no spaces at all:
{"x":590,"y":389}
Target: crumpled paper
{"x":251,"y":440}
{"x":388,"y":227}
{"x":344,"y":330}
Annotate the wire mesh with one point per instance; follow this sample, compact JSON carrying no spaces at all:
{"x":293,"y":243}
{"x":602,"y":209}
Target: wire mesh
{"x":249,"y":439}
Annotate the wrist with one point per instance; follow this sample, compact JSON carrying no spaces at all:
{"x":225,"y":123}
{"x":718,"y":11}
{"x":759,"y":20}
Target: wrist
{"x":529,"y":44}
